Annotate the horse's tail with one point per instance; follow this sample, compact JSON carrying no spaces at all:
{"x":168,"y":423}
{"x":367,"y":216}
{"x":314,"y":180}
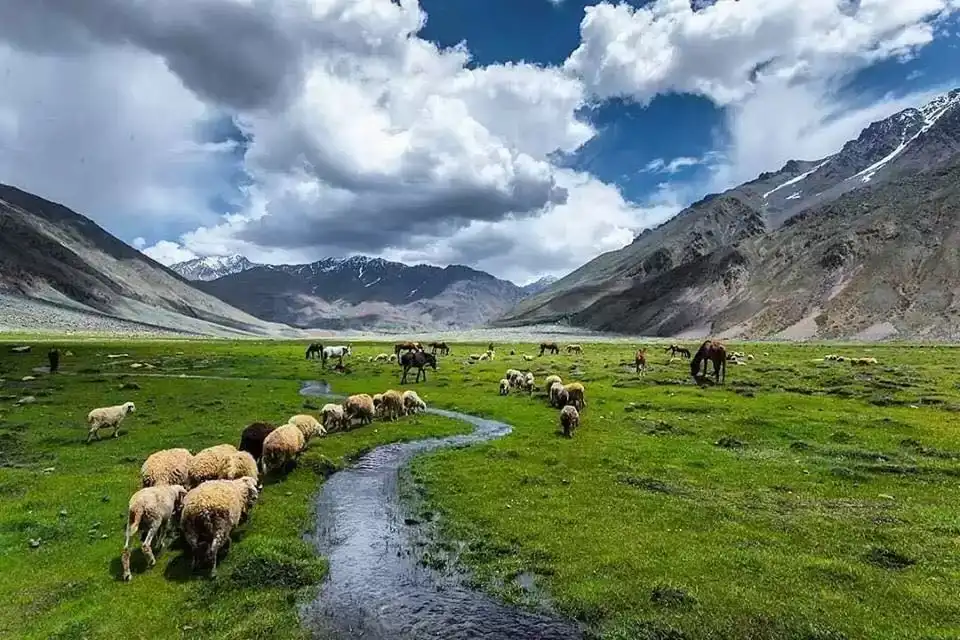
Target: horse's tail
{"x":695,"y":364}
{"x":723,"y":369}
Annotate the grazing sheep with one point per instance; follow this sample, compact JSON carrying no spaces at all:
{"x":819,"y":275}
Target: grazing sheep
{"x":393,"y":357}
{"x":529,"y":382}
{"x":574,"y":348}
{"x":211,"y":511}
{"x":309,"y":426}
{"x":484,"y":356}
{"x":166,"y":467}
{"x":282,"y":446}
{"x":558,"y":395}
{"x":574,"y":392}
{"x":749,"y":356}
{"x":391,"y":407}
{"x":251,"y":438}
{"x":569,"y":420}
{"x":377,"y":401}
{"x":412,"y":402}
{"x":333,"y":417}
{"x":527,"y":358}
{"x":382,"y":357}
{"x":863,"y":361}
{"x":359,"y":406}
{"x":504,"y":386}
{"x":108,"y":418}
{"x":151,"y":511}
{"x":550,"y":380}
{"x":510,"y":373}
{"x":221,"y":462}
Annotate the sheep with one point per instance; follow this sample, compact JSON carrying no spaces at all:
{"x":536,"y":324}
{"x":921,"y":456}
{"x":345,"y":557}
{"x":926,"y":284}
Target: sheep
{"x":504,"y":386}
{"x":575,"y":395}
{"x":309,"y":426}
{"x":333,"y":417}
{"x":569,"y":420}
{"x":151,"y":511}
{"x":553,"y":393}
{"x":211,"y":511}
{"x":550,"y":380}
{"x":412,"y":402}
{"x":382,"y":357}
{"x":391,"y":406}
{"x":166,"y":467}
{"x":529,"y":382}
{"x":574,"y":348}
{"x":221,"y":462}
{"x":108,"y":418}
{"x":359,"y":406}
{"x":527,"y":358}
{"x":510,"y":373}
{"x":251,"y":438}
{"x":377,"y":400}
{"x":392,"y":357}
{"x":484,"y":356}
{"x":282,"y":446}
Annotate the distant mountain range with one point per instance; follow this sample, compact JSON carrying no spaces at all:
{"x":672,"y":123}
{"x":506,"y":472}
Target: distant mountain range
{"x":860,"y":244}
{"x":359,"y":292}
{"x":59,"y":269}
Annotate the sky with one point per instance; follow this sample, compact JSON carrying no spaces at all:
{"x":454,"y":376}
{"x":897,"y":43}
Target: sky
{"x":521,"y":137}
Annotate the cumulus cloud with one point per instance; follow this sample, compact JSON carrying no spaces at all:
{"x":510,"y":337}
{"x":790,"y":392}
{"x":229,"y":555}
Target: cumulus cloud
{"x":168,"y":253}
{"x":724,"y":50}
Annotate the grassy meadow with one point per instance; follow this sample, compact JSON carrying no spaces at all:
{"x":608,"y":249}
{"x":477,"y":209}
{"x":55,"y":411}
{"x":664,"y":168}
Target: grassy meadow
{"x":802,"y":499}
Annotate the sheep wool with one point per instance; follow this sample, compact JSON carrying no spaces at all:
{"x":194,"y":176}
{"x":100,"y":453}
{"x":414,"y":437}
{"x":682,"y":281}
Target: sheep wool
{"x":391,"y":407}
{"x":550,"y":380}
{"x":554,"y":391}
{"x":151,"y":512}
{"x":166,"y":467}
{"x":283,"y":445}
{"x":309,"y":426}
{"x":529,"y":382}
{"x":211,"y":511}
{"x":575,"y":395}
{"x":360,"y":407}
{"x":251,"y":438}
{"x":108,"y":418}
{"x":569,"y":420}
{"x":504,"y":386}
{"x":333,"y":417}
{"x":412,"y":403}
{"x":209,"y":464}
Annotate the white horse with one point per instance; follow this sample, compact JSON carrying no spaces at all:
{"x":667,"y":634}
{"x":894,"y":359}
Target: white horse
{"x":334,"y":352}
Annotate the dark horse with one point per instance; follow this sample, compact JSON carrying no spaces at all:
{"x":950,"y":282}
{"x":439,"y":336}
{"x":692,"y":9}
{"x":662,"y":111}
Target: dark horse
{"x":549,"y":346}
{"x":674,"y":349}
{"x":54,"y":356}
{"x":640,"y":360}
{"x":439,"y":346}
{"x":418,"y":359}
{"x":406,"y":346}
{"x":713,"y":351}
{"x":314,"y":349}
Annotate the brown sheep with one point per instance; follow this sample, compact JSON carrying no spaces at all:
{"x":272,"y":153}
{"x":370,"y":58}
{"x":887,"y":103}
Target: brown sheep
{"x":166,"y":467}
{"x":391,"y":405}
{"x":569,"y":420}
{"x":359,"y":406}
{"x":575,"y":395}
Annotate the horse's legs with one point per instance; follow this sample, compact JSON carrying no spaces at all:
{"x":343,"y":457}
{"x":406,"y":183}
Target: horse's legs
{"x":403,"y":380}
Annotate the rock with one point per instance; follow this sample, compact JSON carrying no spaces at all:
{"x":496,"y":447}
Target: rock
{"x":118,"y":355}
{"x":27,"y":400}
{"x":135,"y":365}
{"x":28,"y":378}
{"x":20,"y":349}
{"x":49,"y":469}
{"x":34,"y":543}
{"x":63,"y":513}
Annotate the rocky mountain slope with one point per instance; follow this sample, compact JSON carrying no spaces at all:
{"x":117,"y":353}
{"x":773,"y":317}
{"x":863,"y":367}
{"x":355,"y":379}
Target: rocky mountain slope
{"x":55,"y":259}
{"x":367,"y":293}
{"x":212,"y":267}
{"x":859,"y":244}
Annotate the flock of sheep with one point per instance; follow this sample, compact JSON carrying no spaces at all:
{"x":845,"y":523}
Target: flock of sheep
{"x":208,"y":494}
{"x":568,"y":398}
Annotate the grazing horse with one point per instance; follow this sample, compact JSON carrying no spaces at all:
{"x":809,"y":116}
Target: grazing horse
{"x":641,"y":361}
{"x":418,"y":359}
{"x":334,"y":352}
{"x":54,"y":357}
{"x":574,"y":348}
{"x":314,"y":349}
{"x":439,"y":346}
{"x":406,"y":346}
{"x":674,"y":349}
{"x":713,"y":351}
{"x":549,"y":346}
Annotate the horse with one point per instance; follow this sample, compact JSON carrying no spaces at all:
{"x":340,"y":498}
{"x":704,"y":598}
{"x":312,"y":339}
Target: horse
{"x":674,"y":349}
{"x":315,"y":348}
{"x":713,"y":351}
{"x":334,"y":352}
{"x":418,"y":359}
{"x":574,"y":348}
{"x":54,"y":357}
{"x":549,"y":346}
{"x":641,"y":361}
{"x":406,"y":346}
{"x":439,"y":346}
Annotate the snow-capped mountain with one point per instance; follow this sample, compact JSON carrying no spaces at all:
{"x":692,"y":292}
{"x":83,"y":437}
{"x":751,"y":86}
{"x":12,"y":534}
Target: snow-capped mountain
{"x":862,"y":243}
{"x":212,"y":267}
{"x":539,"y":285}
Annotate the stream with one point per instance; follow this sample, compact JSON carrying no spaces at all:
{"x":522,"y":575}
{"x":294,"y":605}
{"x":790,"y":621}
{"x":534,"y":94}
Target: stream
{"x":376,"y":588}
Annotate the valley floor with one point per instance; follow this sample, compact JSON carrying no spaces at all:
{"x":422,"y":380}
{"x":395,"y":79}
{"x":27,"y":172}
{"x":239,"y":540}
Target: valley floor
{"x":802,"y":499}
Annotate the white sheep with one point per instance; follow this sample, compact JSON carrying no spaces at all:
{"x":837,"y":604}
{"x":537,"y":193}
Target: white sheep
{"x":554,"y":391}
{"x":412,"y":402}
{"x":391,"y":405}
{"x":333,"y":417}
{"x":550,"y":380}
{"x":151,"y":511}
{"x":382,"y":357}
{"x":308,"y":425}
{"x":504,"y":386}
{"x":108,"y":418}
{"x":166,"y":467}
{"x":211,"y":511}
{"x":529,"y":382}
{"x":220,"y":462}
{"x":528,"y":358}
{"x":282,"y":446}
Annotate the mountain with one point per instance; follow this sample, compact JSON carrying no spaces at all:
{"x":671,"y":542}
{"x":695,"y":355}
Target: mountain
{"x":861,"y":244}
{"x":212,"y":267}
{"x":536,"y":287}
{"x":59,"y":270}
{"x":367,"y":293}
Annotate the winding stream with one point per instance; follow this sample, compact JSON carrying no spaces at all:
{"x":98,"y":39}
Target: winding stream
{"x":376,"y":589}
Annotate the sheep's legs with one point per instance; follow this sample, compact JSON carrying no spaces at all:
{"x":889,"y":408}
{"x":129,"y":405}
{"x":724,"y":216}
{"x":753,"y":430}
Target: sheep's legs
{"x":125,"y":558}
{"x":147,"y":547}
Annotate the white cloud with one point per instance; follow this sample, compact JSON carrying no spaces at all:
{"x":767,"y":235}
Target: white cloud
{"x":168,"y":253}
{"x":676,"y":165}
{"x":724,"y":51}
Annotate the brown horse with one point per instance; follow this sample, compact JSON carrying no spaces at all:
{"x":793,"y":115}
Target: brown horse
{"x":406,"y":346}
{"x":439,"y":346}
{"x":674,"y":349}
{"x":549,"y":346}
{"x":715,"y":352}
{"x":315,"y":349}
{"x":641,"y":361}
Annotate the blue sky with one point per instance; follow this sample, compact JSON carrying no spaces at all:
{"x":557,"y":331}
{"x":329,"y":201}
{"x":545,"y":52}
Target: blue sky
{"x":313,"y":134}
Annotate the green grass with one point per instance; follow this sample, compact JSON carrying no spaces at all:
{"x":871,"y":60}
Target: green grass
{"x":73,"y":497}
{"x":802,"y":499}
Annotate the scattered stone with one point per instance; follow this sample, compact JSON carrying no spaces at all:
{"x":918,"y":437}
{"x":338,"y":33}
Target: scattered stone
{"x":34,"y":543}
{"x":28,"y":378}
{"x":49,"y":470}
{"x":27,"y":400}
{"x":20,"y":349}
{"x":129,"y":385}
{"x":135,"y":365}
{"x":886,"y":496}
{"x":118,"y":355}
{"x":63,"y":513}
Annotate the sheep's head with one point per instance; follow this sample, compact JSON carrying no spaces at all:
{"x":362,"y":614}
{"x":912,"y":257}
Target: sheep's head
{"x":251,"y":490}
{"x":128,"y":407}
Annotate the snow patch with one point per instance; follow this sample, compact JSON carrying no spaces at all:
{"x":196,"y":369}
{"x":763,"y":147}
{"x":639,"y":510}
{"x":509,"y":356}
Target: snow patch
{"x":797,"y":179}
{"x":373,"y":283}
{"x":795,"y":195}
